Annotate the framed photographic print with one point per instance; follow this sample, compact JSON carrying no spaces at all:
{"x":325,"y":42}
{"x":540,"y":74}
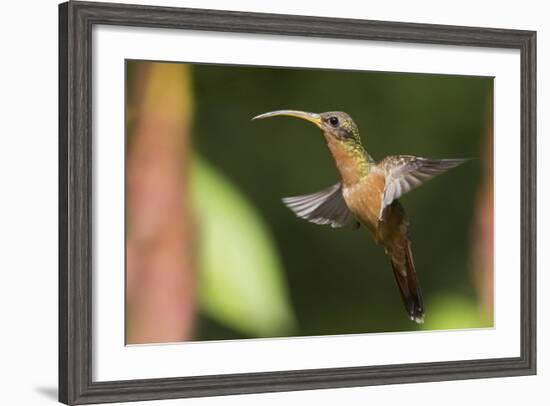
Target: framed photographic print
{"x":256,"y":202}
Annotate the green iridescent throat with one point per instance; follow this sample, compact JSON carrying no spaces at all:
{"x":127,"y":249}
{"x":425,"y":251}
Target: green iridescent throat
{"x":359,"y":154}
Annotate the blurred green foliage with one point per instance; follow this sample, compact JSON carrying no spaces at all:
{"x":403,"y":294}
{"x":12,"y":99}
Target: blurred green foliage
{"x":453,"y":312}
{"x":241,"y":279}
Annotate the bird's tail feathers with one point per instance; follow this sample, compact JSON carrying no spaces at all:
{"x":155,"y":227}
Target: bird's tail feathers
{"x":409,"y":287}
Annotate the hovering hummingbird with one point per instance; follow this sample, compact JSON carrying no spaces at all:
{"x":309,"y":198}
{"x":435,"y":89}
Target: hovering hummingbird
{"x":367,"y":195}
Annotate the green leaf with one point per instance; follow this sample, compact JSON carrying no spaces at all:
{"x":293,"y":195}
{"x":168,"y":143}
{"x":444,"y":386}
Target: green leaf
{"x":241,"y":280}
{"x":446,"y":312}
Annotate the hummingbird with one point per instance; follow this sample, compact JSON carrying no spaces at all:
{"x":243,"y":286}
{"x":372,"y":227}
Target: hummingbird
{"x":367,"y":195}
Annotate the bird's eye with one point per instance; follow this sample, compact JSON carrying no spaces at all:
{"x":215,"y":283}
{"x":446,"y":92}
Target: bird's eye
{"x":333,"y":121}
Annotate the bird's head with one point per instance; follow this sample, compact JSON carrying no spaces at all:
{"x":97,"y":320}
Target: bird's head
{"x":334,"y":124}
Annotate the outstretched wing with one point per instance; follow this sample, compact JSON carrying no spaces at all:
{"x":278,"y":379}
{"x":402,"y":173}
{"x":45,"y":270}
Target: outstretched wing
{"x":404,"y":173}
{"x":324,"y":207}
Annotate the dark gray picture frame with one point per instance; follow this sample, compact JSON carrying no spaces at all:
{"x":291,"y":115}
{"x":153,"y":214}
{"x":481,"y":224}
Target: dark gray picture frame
{"x":76,"y":20}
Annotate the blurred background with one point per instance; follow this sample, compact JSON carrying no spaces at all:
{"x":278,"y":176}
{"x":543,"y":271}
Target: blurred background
{"x":212,"y":253}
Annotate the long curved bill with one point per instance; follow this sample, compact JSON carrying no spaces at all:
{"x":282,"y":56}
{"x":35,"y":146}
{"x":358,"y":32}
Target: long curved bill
{"x":311,"y":117}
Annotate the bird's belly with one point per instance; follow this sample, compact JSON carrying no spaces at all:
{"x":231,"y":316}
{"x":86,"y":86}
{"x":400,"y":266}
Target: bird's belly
{"x":364,"y":199}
